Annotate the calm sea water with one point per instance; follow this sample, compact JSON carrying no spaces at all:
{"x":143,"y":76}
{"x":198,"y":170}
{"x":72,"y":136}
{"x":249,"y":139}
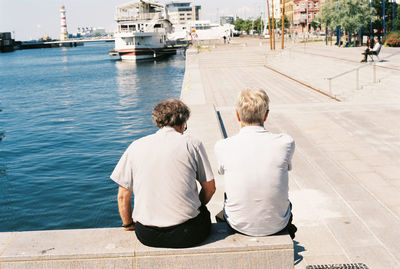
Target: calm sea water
{"x":67,"y":115}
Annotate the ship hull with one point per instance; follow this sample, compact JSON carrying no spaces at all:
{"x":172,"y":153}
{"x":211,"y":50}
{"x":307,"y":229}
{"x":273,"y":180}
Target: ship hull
{"x":145,"y":53}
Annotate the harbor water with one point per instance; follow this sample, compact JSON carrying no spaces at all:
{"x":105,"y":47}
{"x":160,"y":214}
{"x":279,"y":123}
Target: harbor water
{"x":66,"y":117}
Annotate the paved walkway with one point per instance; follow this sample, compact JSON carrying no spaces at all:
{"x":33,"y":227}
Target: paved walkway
{"x":345,"y":181}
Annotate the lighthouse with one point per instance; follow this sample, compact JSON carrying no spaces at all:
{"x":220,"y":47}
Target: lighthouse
{"x":63,"y":33}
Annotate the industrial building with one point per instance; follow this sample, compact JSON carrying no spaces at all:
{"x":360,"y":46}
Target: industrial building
{"x":180,"y":12}
{"x":6,"y":42}
{"x":226,"y":20}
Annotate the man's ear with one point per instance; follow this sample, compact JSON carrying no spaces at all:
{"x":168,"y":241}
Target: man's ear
{"x":266,"y":115}
{"x":237,"y":115}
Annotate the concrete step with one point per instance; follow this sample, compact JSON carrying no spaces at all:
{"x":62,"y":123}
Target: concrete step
{"x":116,"y":248}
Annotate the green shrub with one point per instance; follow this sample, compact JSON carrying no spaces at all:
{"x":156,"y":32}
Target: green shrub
{"x":393,"y":39}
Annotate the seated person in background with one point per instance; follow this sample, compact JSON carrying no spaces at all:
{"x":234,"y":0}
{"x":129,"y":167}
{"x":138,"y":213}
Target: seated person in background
{"x":255,"y":165}
{"x":374,"y":51}
{"x":161,"y":170}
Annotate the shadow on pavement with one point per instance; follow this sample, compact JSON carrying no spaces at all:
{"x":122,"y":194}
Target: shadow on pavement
{"x":297,"y":250}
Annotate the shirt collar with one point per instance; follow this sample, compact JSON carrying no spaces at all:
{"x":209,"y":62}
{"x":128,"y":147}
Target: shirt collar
{"x":166,"y":129}
{"x":253,"y":129}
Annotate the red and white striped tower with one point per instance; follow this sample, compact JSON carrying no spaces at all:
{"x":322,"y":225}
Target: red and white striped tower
{"x":63,"y":33}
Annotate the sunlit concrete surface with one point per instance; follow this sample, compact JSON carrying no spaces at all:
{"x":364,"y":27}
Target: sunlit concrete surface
{"x":345,"y":180}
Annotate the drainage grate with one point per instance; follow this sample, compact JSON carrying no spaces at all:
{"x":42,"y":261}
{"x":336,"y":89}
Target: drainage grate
{"x":339,"y":266}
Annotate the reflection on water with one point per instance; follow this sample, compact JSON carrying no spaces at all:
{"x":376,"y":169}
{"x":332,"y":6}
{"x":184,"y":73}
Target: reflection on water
{"x":68,"y":115}
{"x":142,"y":84}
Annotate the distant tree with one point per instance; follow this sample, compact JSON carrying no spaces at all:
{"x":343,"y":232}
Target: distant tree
{"x":238,"y":24}
{"x":390,"y":21}
{"x":396,"y":19}
{"x":349,"y":14}
{"x":328,"y":14}
{"x":257,"y":25}
{"x":248,"y":25}
{"x":315,"y":24}
{"x":279,"y":22}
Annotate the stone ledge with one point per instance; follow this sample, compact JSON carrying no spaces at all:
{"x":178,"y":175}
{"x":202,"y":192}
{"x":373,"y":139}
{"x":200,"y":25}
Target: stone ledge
{"x":113,"y":247}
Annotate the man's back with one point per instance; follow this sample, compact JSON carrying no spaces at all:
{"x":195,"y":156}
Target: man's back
{"x":164,"y":167}
{"x":255,"y":165}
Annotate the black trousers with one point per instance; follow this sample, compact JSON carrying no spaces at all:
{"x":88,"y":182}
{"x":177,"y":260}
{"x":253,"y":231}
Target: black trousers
{"x":290,"y":227}
{"x":187,"y":234}
{"x":368,"y":52}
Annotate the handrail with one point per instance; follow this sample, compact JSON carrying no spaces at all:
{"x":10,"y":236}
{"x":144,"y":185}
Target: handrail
{"x":357,"y":70}
{"x":359,"y":67}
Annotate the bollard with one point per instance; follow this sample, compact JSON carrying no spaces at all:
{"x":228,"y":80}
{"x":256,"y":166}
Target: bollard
{"x":374,"y":71}
{"x":330,"y":86}
{"x":357,"y":79}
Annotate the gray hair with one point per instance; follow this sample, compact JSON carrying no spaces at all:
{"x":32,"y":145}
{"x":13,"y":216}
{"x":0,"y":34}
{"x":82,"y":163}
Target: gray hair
{"x":170,"y":112}
{"x":252,"y":104}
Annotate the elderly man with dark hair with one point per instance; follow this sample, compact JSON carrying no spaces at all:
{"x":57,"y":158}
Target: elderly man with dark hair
{"x":161,"y":171}
{"x":255,"y":165}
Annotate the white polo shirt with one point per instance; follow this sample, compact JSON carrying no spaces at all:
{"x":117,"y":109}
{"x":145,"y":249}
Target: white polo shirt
{"x":255,"y":166}
{"x":161,"y":169}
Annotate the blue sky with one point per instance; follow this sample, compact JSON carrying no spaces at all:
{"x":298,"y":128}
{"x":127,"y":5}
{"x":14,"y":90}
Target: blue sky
{"x":31,"y":19}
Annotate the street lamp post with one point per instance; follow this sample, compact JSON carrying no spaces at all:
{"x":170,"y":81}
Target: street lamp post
{"x":326,"y":35}
{"x":307,"y":15}
{"x":269,"y":26}
{"x":339,"y":31}
{"x":261,"y":24}
{"x":273,"y":26}
{"x":393,"y":12}
{"x":370,"y":25}
{"x":384,"y":20}
{"x":283,"y":25}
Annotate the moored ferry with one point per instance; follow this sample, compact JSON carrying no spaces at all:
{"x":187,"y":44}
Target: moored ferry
{"x":142,"y":31}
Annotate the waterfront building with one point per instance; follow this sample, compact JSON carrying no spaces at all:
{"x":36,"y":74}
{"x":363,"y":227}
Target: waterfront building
{"x":180,"y":12}
{"x":64,"y":32}
{"x":226,"y":20}
{"x":289,"y":4}
{"x":304,"y":13}
{"x":85,"y":31}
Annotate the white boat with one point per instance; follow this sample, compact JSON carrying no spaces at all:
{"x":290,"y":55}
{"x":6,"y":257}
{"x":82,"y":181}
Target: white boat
{"x":201,"y":30}
{"x":142,"y":31}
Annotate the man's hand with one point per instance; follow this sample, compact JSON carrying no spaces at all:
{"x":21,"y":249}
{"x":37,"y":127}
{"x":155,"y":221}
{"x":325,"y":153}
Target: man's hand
{"x":207,"y":191}
{"x":125,"y":208}
{"x":130,"y":227}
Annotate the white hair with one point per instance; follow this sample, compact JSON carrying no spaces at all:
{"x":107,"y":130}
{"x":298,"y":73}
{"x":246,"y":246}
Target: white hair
{"x":252,"y":104}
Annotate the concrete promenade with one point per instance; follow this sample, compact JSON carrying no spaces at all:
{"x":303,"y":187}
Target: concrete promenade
{"x":345,"y":181}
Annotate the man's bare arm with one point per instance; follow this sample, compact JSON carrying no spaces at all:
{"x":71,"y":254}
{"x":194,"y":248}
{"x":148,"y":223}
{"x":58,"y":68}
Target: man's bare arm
{"x":124,"y":207}
{"x":207,"y":191}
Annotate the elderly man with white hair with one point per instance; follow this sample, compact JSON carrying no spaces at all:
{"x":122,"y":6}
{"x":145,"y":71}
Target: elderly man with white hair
{"x":255,"y":165}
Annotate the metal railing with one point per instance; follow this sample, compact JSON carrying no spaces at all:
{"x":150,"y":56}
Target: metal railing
{"x":357,"y":73}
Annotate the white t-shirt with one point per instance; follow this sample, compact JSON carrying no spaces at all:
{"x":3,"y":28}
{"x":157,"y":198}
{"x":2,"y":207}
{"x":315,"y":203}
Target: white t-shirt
{"x":255,"y":166}
{"x":376,"y":46}
{"x":161,"y":169}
